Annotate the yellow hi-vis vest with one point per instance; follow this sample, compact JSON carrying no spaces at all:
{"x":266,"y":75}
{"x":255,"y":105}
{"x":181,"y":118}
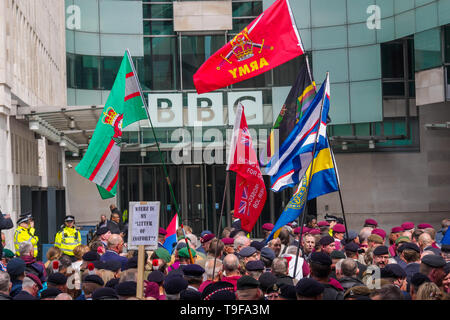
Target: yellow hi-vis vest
{"x":67,"y":239}
{"x":25,"y":235}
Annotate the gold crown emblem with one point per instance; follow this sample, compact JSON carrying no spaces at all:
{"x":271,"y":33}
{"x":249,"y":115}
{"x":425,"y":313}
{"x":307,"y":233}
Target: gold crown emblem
{"x":110,"y":116}
{"x":242,"y":46}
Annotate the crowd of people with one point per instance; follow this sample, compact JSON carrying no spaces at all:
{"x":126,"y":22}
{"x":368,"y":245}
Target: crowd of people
{"x":319,"y":261}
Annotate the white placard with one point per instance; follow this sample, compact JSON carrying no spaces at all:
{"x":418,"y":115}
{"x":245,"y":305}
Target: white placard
{"x":143,"y":225}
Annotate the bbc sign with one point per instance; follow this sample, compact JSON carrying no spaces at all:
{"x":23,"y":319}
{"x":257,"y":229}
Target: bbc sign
{"x":166,"y":109}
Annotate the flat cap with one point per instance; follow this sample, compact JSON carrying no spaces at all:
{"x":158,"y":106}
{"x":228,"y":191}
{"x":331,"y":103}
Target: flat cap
{"x":380,"y":250}
{"x":247,"y":251}
{"x":175,"y":284}
{"x":371,"y":222}
{"x":379,"y":232}
{"x":418,"y":279}
{"x":220,"y":290}
{"x":163,"y":254}
{"x":228,"y":241}
{"x":57,"y":278}
{"x":323,"y":224}
{"x":409,"y":246}
{"x":351,"y":247}
{"x":407,"y":225}
{"x":91,"y":256}
{"x":326,"y":240}
{"x":50,"y":293}
{"x":424,"y":226}
{"x":93,"y":278}
{"x":339,"y":228}
{"x":258,"y":245}
{"x":162,"y":231}
{"x":155,"y":276}
{"x":101,"y":231}
{"x":397,"y":229}
{"x":402,"y":240}
{"x":193,"y":270}
{"x":247,"y":282}
{"x":321,"y":258}
{"x":433,"y":261}
{"x":308,"y":287}
{"x":207,"y":237}
{"x":288,"y":292}
{"x":190,"y":295}
{"x":184,"y":253}
{"x":113,"y":265}
{"x":69,"y":218}
{"x":126,"y":288}
{"x":105,"y":294}
{"x":335,"y":254}
{"x":267,"y":226}
{"x":255,"y":265}
{"x":267,"y":280}
{"x":267,"y":253}
{"x":15,"y":267}
{"x":393,"y":270}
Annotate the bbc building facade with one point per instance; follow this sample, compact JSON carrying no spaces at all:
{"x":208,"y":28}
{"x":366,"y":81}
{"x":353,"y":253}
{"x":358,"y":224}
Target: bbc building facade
{"x":389,"y":65}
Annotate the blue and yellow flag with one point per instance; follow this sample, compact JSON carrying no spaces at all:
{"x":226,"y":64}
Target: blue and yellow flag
{"x":324,"y":180}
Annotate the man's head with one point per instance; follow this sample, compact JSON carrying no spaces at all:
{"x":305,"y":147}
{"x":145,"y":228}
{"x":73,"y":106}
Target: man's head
{"x":241,"y":242}
{"x":103,"y":218}
{"x":162,"y":235}
{"x":309,"y":289}
{"x":387,"y":292}
{"x":115,"y":217}
{"x":115,"y":243}
{"x":209,"y":268}
{"x":69,"y":221}
{"x":410,"y":252}
{"x":381,"y":256}
{"x":26,"y":249}
{"x":309,"y":242}
{"x":280,"y":266}
{"x":415,"y":236}
{"x":433,"y":267}
{"x":249,"y":254}
{"x":320,"y":264}
{"x":216,"y":248}
{"x":374,"y":241}
{"x":327,"y":244}
{"x":206,"y":241}
{"x":5,"y":283}
{"x":231,"y":265}
{"x":425,"y":240}
{"x":339,"y":231}
{"x":371,"y":223}
{"x":275,"y":245}
{"x":267,"y":229}
{"x":30,"y":286}
{"x":57,"y":280}
{"x":248,"y":289}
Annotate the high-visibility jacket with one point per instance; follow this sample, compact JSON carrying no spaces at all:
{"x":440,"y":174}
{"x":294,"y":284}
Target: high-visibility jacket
{"x":25,"y":235}
{"x":67,"y":239}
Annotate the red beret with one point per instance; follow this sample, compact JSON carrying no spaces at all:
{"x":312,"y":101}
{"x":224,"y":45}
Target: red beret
{"x":323,"y":224}
{"x":207,"y":237}
{"x":297,"y":230}
{"x":314,"y":231}
{"x":424,"y":226}
{"x":379,"y":232}
{"x":396,"y":229}
{"x":371,"y":222}
{"x":228,"y":241}
{"x":162,"y":231}
{"x":407,"y":225}
{"x":340,"y":228}
{"x":267,"y":226}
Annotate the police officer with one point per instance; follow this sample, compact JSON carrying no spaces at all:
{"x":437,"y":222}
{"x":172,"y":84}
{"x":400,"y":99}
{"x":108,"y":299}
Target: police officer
{"x":25,"y":232}
{"x":68,"y":237}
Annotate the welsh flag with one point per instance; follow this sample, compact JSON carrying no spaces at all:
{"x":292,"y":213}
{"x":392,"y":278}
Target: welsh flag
{"x":250,"y":192}
{"x":124,"y":105}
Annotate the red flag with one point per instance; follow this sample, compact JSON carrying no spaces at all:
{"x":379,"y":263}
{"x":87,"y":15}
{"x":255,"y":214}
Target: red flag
{"x":250,"y":192}
{"x":268,"y":41}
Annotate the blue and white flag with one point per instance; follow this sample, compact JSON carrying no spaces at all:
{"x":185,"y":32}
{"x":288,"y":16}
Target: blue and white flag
{"x":288,"y":166}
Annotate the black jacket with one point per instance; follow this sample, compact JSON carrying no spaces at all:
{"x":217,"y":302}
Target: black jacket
{"x":349,"y":282}
{"x":5,"y":224}
{"x":115,"y":228}
{"x":4,"y":297}
{"x":23,"y":295}
{"x":331,"y":293}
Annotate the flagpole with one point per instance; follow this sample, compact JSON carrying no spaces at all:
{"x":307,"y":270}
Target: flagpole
{"x":309,"y":182}
{"x":157,"y":144}
{"x":339,"y":187}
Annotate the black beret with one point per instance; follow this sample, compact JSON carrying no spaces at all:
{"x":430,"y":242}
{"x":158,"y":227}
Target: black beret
{"x":101,"y":231}
{"x":434,"y":250}
{"x":393,"y":270}
{"x":447,"y":268}
{"x":105,"y":294}
{"x":191,"y":295}
{"x":57,"y":278}
{"x":126,"y":288}
{"x":258,"y":245}
{"x":220,"y":290}
{"x":321,"y":258}
{"x":247,"y":282}
{"x":113,"y":265}
{"x":156,"y":276}
{"x":418,"y":279}
{"x":433,"y":261}
{"x":255,"y":265}
{"x":335,"y":254}
{"x":112,"y":283}
{"x":132,"y":263}
{"x":91,"y":256}
{"x":288,"y":292}
{"x":326,"y":240}
{"x":99,"y":264}
{"x":409,"y":246}
{"x":15,"y":267}
{"x":308,"y":287}
{"x":445,"y":248}
{"x":50,"y":293}
{"x":174,"y":284}
{"x":352,"y":247}
{"x":93,"y":278}
{"x":193,"y":270}
{"x":266,"y":281}
{"x":380,"y":250}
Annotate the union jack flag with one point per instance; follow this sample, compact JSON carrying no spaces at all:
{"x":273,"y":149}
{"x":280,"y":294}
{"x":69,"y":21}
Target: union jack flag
{"x":245,"y":137}
{"x":243,"y":203}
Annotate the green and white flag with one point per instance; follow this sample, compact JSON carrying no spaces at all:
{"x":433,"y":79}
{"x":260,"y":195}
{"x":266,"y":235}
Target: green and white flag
{"x":124,"y":105}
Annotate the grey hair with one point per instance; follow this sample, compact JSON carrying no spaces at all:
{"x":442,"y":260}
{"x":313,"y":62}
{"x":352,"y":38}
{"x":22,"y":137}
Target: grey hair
{"x":241,"y":241}
{"x":4,"y":281}
{"x":28,"y":282}
{"x":348,"y":267}
{"x":209,"y":266}
{"x":279,"y":266}
{"x":25,"y":248}
{"x":173,"y":296}
{"x":293,"y":250}
{"x":230,"y":262}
